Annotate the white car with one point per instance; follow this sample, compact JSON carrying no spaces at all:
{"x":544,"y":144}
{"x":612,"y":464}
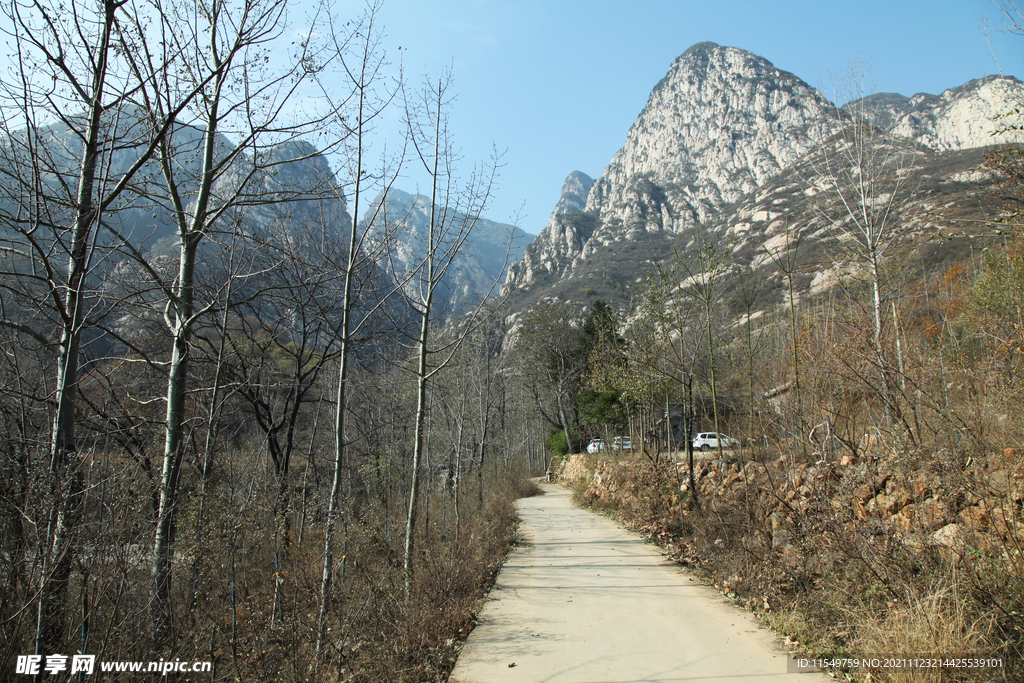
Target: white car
{"x":595,"y":446}
{"x":705,"y":441}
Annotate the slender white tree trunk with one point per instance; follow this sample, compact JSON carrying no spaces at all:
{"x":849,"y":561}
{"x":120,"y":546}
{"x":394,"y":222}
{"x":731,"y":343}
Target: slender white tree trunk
{"x":419,"y":444}
{"x":65,"y":484}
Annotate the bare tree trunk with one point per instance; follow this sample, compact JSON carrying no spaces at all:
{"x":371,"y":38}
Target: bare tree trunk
{"x":565,"y":423}
{"x":485,"y":415}
{"x":309,"y":465}
{"x":714,"y":384}
{"x":457,"y":479}
{"x":228,"y":33}
{"x":419,"y":440}
{"x":211,"y":431}
{"x":876,"y":292}
{"x":65,"y":484}
{"x":163,"y":543}
{"x":362,"y":80}
{"x":867,"y":178}
{"x":787,"y":263}
{"x":796,"y":364}
{"x":327,"y":577}
{"x":447,"y":233}
{"x":689,"y":440}
{"x":480,"y":476}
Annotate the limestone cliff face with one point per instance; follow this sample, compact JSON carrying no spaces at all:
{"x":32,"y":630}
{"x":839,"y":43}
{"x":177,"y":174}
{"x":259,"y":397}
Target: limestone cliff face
{"x":574,"y":193}
{"x":563,"y":237}
{"x":719,"y":124}
{"x":479,"y":264}
{"x":718,"y":128}
{"x":960,"y":118}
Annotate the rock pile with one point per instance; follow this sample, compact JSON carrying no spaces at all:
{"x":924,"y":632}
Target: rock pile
{"x":798,"y":508}
{"x":574,"y":469}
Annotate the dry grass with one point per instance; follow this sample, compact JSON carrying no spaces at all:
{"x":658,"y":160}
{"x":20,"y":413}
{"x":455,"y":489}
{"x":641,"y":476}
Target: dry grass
{"x":246,"y":592}
{"x":938,"y":623}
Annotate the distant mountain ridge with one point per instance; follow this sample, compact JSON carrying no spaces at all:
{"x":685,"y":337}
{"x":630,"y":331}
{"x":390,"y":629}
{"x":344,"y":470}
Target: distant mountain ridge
{"x":304,"y":196}
{"x":479,"y":269}
{"x":722,"y":126}
{"x":960,"y":118}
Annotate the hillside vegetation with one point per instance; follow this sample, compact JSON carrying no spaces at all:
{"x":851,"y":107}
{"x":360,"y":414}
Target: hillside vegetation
{"x":875,"y":504}
{"x":234,"y":432}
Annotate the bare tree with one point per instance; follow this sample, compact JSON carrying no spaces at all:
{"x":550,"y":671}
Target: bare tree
{"x":453,"y":212}
{"x":363,"y":66}
{"x":244,"y":127}
{"x":284,"y":335}
{"x":74,"y":145}
{"x":490,"y":388}
{"x":705,"y":286}
{"x":668,"y":306}
{"x":469,"y":396}
{"x":785,"y":259}
{"x":754,"y":342}
{"x":866,"y":176}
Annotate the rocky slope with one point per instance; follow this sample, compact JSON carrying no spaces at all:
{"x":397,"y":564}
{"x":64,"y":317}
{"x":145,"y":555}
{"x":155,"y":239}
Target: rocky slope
{"x":732,"y":144}
{"x":481,"y":263}
{"x":959,"y":118}
{"x":811,"y":528}
{"x":565,"y":233}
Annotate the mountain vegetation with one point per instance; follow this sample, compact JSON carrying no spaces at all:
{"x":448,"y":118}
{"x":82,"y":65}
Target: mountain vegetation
{"x":847,"y":306}
{"x":235,"y":430}
{"x":265,"y":410}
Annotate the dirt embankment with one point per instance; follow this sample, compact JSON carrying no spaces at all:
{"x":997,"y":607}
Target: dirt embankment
{"x":870,"y":555}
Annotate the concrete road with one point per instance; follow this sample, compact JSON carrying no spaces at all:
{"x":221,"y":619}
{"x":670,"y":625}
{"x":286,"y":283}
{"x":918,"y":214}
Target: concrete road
{"x":586,"y":601}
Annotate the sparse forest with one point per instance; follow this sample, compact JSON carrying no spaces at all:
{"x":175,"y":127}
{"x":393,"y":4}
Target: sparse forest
{"x":875,"y":502}
{"x":234,"y":431}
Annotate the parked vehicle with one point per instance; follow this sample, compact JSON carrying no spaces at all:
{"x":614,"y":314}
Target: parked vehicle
{"x":596,"y":446}
{"x":622,"y":443}
{"x":705,"y":441}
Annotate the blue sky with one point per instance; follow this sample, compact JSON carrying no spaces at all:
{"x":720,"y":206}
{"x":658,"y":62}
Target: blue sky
{"x":557,"y":83}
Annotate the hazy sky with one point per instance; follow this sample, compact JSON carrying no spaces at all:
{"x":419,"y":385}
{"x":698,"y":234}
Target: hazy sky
{"x":556,"y":84}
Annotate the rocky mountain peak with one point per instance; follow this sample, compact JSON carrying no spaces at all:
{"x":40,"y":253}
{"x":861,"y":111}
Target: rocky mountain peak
{"x":961,"y":118}
{"x":720,"y":123}
{"x":574,"y":193}
{"x":717,"y":134}
{"x":717,"y":126}
{"x":565,"y":234}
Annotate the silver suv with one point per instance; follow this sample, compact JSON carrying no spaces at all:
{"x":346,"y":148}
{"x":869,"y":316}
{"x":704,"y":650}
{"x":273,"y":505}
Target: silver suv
{"x":705,"y":441}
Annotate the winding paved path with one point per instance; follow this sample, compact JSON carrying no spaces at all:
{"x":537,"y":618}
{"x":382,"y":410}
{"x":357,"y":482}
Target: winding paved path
{"x":585,"y":601}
